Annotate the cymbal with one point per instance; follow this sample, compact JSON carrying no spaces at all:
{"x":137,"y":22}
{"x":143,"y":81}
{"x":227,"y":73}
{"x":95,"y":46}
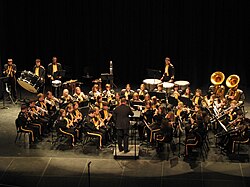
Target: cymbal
{"x":97,"y":81}
{"x":70,"y":81}
{"x":79,"y":82}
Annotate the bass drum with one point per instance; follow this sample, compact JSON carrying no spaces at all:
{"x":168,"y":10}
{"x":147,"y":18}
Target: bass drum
{"x":29,"y":81}
{"x":151,"y":84}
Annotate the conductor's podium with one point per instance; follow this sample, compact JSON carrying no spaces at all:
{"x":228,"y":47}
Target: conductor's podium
{"x":132,"y":154}
{"x":134,"y":149}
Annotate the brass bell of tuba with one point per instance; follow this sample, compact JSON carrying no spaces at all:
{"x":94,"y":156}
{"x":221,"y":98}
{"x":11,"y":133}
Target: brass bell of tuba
{"x":232,"y":81}
{"x":217,"y":78}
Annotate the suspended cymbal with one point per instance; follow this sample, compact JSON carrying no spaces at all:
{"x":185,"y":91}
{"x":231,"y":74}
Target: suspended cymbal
{"x":97,"y":81}
{"x":70,"y":81}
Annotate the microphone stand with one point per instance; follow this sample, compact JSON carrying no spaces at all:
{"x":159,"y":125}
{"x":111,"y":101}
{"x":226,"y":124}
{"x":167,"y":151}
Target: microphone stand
{"x":89,"y":172}
{"x":3,"y":79}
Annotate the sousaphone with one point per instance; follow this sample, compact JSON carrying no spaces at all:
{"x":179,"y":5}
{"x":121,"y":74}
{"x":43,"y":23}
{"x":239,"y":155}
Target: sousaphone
{"x":217,"y":78}
{"x":232,"y":81}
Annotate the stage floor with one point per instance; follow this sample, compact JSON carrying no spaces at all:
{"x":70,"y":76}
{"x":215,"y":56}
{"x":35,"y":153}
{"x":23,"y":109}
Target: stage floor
{"x":48,"y":165}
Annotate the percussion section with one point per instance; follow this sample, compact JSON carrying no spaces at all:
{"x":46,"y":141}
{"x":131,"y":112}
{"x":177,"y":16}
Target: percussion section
{"x":182,"y":84}
{"x":168,"y":86}
{"x":29,"y":81}
{"x":151,"y":84}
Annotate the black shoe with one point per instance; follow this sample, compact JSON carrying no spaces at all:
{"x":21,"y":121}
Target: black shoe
{"x":126,"y":151}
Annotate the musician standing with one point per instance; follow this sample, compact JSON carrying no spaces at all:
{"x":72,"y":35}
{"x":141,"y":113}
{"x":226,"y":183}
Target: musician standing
{"x":10,"y":72}
{"x":39,"y":71}
{"x":121,"y":118}
{"x":169,"y":72}
{"x":52,"y":68}
{"x":52,"y":75}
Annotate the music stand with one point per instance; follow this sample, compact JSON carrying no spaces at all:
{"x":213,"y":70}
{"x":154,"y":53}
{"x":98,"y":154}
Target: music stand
{"x":59,"y":73}
{"x":161,"y":95}
{"x":152,"y":93}
{"x":172,"y":101}
{"x":153,"y":73}
{"x":109,"y":78}
{"x":4,"y":80}
{"x":186,"y":101}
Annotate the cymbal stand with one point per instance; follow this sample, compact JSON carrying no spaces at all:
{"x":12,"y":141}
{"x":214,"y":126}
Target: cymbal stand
{"x":9,"y":93}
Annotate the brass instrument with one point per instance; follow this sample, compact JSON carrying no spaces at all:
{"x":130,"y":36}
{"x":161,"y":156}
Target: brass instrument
{"x":232,"y":81}
{"x":217,"y":78}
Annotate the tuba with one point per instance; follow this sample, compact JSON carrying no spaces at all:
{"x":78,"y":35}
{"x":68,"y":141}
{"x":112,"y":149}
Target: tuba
{"x":217,"y":78}
{"x":232,"y":81}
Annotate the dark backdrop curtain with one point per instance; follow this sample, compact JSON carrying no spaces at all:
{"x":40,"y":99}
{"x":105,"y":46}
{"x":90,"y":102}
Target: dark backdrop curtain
{"x":200,"y":37}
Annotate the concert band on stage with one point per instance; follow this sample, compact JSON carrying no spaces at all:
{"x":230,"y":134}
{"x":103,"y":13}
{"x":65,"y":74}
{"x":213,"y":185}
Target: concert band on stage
{"x":165,"y":114}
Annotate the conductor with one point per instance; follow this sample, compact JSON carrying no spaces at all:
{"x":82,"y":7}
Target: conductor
{"x":121,"y":118}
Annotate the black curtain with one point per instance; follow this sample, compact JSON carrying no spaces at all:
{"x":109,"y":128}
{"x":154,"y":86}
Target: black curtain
{"x":200,"y":37}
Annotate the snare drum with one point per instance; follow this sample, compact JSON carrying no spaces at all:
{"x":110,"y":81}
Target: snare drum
{"x":56,"y":83}
{"x":151,"y":84}
{"x":30,"y":81}
{"x":182,"y":84}
{"x":168,"y":86}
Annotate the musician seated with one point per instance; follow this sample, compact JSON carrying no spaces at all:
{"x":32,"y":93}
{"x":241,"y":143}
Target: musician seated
{"x":136,"y":102}
{"x":159,"y":115}
{"x":147,"y":98}
{"x":159,"y":88}
{"x":106,"y":116}
{"x":108,"y":93}
{"x":74,"y":120}
{"x":142,"y":91}
{"x":91,"y":129}
{"x":101,"y":125}
{"x":116,"y":101}
{"x":195,"y":137}
{"x":197,"y":99}
{"x":94,"y":93}
{"x":155,"y":102}
{"x":37,"y":118}
{"x":99,"y":102}
{"x":79,"y":96}
{"x":235,"y":94}
{"x":187,"y":93}
{"x":65,"y":127}
{"x":25,"y":125}
{"x":65,"y":98}
{"x":175,"y":92}
{"x":147,"y":114}
{"x":165,"y":134}
{"x":127,"y":92}
{"x":51,"y":103}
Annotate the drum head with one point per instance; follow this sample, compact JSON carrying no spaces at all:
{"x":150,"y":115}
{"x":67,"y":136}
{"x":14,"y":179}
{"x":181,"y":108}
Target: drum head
{"x":27,"y":86}
{"x":152,"y":81}
{"x":168,"y":85}
{"x":182,"y":83}
{"x":56,"y":83}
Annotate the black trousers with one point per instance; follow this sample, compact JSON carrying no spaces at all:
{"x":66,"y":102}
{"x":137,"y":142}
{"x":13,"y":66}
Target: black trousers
{"x":122,"y":137}
{"x":12,"y":83}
